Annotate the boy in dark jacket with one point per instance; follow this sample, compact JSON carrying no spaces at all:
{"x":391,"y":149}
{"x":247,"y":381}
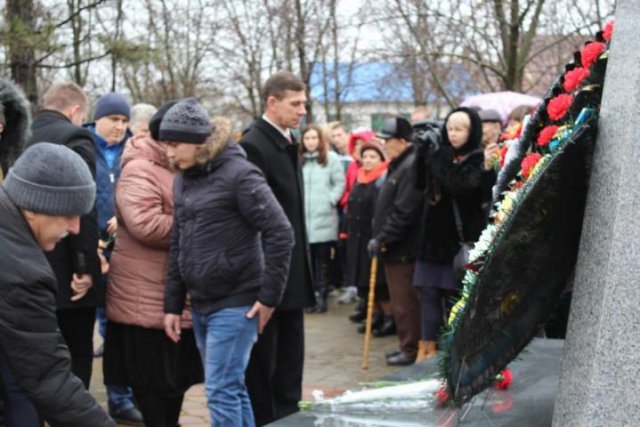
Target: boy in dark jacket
{"x":230,"y":251}
{"x":41,"y":201}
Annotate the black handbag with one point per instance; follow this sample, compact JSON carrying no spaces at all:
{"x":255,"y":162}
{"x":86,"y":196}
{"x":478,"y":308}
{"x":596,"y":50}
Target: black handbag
{"x":461,"y":259}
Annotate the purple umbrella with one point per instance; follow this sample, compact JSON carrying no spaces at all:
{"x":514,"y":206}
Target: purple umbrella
{"x":502,"y":102}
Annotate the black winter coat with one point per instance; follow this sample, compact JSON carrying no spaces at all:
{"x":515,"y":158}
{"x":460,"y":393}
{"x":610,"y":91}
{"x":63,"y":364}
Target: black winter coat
{"x":439,"y":240}
{"x":449,"y":174}
{"x":224,"y":215}
{"x":362,"y":203}
{"x":279,"y":161}
{"x":74,"y":254}
{"x":397,"y":217}
{"x":29,"y":336}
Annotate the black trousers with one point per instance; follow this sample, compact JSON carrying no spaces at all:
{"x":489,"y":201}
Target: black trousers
{"x":159,"y":409}
{"x":76,"y":325}
{"x":274,"y":374}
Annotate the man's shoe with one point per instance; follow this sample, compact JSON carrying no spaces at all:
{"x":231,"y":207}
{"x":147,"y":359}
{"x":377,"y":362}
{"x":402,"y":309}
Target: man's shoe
{"x":128,"y":417}
{"x":391,"y":353}
{"x":400,"y":360}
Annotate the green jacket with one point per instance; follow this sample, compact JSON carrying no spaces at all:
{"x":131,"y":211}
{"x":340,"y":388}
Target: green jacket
{"x":323,"y":188}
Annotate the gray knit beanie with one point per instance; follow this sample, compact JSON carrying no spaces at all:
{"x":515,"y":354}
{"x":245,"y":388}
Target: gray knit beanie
{"x":186,"y":122}
{"x":51,"y":179}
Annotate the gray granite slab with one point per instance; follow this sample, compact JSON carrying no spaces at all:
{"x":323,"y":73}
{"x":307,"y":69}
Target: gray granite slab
{"x":528,"y":403}
{"x":599,"y":382}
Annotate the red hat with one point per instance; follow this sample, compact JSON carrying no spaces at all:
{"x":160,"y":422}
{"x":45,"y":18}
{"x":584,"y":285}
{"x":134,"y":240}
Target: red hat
{"x":366,"y":135}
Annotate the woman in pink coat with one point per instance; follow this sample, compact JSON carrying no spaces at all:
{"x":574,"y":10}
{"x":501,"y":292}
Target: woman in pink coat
{"x":137,"y":351}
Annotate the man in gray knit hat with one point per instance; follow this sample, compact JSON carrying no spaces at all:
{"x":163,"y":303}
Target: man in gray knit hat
{"x":41,"y":201}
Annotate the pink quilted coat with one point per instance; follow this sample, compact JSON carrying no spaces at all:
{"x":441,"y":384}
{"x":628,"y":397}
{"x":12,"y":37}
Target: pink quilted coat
{"x":144,"y":208}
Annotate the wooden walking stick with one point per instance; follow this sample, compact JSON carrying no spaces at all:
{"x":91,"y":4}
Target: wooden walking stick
{"x":370,"y":303}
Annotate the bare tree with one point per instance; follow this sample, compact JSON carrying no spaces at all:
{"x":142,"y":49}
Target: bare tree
{"x":493,"y":42}
{"x":164,"y":52}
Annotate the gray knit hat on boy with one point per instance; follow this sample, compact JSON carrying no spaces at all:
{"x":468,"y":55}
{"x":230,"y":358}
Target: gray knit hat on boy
{"x":51,"y":179}
{"x":186,"y":122}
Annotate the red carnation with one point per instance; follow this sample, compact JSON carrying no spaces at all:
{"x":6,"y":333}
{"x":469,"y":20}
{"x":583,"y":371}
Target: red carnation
{"x":558,"y":106}
{"x":442,"y":396}
{"x":505,"y":382}
{"x":573,"y":78}
{"x":607,"y":31}
{"x":590,"y":53}
{"x":503,"y":154}
{"x":529,"y":163}
{"x":546,"y":134}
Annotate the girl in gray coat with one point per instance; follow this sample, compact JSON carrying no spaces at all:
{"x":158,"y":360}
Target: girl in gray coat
{"x":324,"y":183}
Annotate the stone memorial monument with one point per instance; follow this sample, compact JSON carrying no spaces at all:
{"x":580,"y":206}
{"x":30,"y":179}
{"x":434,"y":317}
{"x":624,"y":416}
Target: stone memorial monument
{"x":600,"y":380}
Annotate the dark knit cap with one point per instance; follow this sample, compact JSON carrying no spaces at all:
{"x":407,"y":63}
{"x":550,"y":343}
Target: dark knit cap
{"x":112,"y":104}
{"x":490,"y":116}
{"x":154,"y":123}
{"x":397,"y":127}
{"x":187,"y":122}
{"x":374,"y":145}
{"x":51,"y":179}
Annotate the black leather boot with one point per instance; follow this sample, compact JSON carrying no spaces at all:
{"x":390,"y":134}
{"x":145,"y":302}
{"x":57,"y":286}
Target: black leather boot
{"x":322,"y":287}
{"x":360,"y":312}
{"x":376,"y":322}
{"x":387,"y":328}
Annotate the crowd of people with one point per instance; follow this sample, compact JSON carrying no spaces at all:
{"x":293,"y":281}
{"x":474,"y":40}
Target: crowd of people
{"x":199,"y":253}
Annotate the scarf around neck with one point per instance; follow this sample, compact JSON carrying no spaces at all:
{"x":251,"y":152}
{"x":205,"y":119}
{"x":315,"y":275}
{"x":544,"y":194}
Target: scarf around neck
{"x":367,"y":177}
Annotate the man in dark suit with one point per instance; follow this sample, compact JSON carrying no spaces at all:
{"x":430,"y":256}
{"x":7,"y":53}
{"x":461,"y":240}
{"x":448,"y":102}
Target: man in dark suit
{"x":274,"y":375}
{"x":74,"y":260}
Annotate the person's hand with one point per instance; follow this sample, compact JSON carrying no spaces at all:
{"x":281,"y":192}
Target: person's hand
{"x":263,"y":311}
{"x":172,"y":326}
{"x":373,"y":247}
{"x":80,"y":285}
{"x":491,"y":154}
{"x":112,"y":226}
{"x":104,"y":264}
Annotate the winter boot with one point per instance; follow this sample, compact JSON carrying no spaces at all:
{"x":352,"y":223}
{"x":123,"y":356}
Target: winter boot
{"x":426,"y":350}
{"x":360,"y":313}
{"x":322,"y":287}
{"x":388,"y":327}
{"x":376,"y":322}
{"x":422,"y":351}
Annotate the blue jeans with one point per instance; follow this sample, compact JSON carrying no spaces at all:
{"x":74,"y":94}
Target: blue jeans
{"x":225,"y":339}
{"x":119,"y":399}
{"x":101,"y":317}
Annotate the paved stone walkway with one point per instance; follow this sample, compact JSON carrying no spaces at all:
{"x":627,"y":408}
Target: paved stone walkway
{"x":332,"y":363}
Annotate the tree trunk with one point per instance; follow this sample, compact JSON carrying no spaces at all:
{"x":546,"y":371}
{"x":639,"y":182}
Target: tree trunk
{"x":21,"y":24}
{"x":305,"y":68}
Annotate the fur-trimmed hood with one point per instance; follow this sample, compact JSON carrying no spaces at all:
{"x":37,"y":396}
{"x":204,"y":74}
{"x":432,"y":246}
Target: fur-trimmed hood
{"x":18,"y":126}
{"x":221,"y":134}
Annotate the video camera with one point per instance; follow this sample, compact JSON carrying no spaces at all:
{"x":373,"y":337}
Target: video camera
{"x":428,"y":133}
